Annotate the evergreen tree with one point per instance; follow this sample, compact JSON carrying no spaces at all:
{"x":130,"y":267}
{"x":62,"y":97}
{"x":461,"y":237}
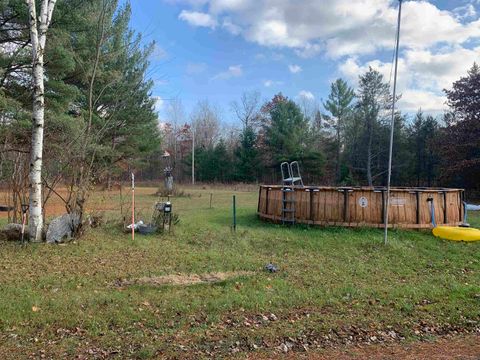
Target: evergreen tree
{"x":422,"y":135}
{"x":221,"y":163}
{"x":373,"y":100}
{"x":339,"y":105}
{"x":246,"y":156}
{"x":459,"y":145}
{"x":212,"y":164}
{"x":289,"y":137}
{"x":287,"y":134}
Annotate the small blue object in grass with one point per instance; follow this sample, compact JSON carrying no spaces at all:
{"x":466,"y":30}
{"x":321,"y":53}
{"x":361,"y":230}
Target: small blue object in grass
{"x":146,"y":229}
{"x":271,"y":268}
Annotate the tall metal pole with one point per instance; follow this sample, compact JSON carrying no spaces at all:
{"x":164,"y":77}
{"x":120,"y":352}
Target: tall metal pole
{"x":392,"y":125}
{"x":193,"y":156}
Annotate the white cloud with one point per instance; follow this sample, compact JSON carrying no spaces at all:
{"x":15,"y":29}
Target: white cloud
{"x":435,"y":43}
{"x":412,"y":100}
{"x":231,"y":72}
{"x":440,"y":69}
{"x":422,"y":74}
{"x":231,"y":27}
{"x":195,"y":68}
{"x":294,"y":69}
{"x":219,"y":6}
{"x":196,"y":18}
{"x":159,"y":103}
{"x":309,"y":50}
{"x":338,"y":27}
{"x":306,"y":95}
{"x":270,"y":83}
{"x":465,"y":12}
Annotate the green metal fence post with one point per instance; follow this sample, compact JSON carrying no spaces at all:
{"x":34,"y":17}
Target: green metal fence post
{"x":234,"y":214}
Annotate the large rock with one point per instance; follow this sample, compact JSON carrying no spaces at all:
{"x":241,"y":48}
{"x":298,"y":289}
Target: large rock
{"x":62,"y":228}
{"x":11,"y":232}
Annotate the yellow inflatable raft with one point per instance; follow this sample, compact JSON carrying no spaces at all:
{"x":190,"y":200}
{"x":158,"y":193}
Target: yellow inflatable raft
{"x":456,"y":233}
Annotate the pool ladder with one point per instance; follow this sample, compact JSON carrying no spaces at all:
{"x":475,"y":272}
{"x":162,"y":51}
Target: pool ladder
{"x":288,"y":205}
{"x":290,"y":178}
{"x":291,"y":174}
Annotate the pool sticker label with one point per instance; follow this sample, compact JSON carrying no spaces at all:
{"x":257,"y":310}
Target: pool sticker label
{"x":363,"y":202}
{"x":398,"y":201}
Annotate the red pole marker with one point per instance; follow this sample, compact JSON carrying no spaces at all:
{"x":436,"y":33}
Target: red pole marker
{"x":133,"y":206}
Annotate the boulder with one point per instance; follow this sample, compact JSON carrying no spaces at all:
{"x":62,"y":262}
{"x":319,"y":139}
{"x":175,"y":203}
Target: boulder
{"x":11,"y":232}
{"x":62,"y":228}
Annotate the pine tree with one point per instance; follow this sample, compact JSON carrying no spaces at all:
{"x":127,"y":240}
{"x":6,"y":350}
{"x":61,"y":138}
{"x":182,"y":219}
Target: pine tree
{"x":288,"y":136}
{"x":339,"y":104}
{"x":373,"y":99}
{"x":460,"y":141}
{"x":422,"y":135}
{"x":287,"y":133}
{"x":246,"y":155}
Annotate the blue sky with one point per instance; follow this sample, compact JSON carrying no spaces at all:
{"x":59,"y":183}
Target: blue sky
{"x":216,"y":49}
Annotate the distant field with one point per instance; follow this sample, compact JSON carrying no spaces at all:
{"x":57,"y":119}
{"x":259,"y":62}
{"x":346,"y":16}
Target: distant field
{"x":336,"y":286}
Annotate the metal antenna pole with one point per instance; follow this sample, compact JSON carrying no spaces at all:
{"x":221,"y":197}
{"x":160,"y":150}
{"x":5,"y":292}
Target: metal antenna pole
{"x":392,"y":125}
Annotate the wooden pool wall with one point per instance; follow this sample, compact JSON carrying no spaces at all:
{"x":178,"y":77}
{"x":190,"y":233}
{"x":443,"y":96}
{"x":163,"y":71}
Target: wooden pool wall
{"x":364,"y":206}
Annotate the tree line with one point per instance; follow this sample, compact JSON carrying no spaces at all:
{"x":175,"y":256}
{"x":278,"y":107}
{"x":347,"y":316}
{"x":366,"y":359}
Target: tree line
{"x":342,"y":141}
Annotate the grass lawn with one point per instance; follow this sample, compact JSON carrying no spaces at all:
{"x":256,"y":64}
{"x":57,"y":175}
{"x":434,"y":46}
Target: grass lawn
{"x":335,"y":286}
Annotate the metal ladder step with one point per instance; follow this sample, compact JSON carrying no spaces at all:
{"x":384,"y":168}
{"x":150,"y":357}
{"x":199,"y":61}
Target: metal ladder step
{"x":288,"y":208}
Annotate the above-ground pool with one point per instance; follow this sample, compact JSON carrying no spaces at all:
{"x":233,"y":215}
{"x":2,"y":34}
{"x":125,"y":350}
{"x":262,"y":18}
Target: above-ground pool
{"x":361,"y":206}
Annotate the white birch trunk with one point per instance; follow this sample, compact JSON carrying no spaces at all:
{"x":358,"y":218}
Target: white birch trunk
{"x":38,"y":33}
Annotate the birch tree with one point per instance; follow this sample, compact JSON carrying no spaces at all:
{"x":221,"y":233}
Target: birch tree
{"x":38,"y":36}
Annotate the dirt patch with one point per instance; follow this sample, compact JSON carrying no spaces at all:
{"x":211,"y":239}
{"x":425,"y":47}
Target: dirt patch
{"x":185,"y":279}
{"x":466,"y":347}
